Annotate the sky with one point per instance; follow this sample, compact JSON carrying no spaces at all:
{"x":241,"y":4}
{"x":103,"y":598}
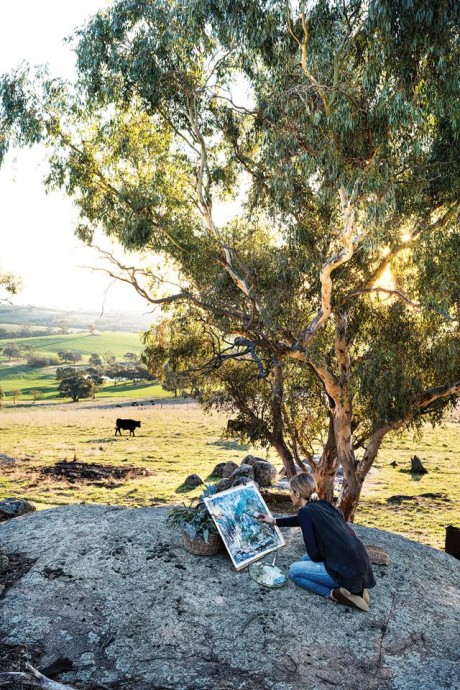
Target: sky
{"x":37,"y":239}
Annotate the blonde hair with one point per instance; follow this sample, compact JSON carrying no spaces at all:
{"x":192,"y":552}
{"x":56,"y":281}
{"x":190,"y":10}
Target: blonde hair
{"x":305,"y":485}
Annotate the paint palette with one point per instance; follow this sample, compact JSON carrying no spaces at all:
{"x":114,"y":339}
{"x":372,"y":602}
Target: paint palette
{"x":267,"y":575}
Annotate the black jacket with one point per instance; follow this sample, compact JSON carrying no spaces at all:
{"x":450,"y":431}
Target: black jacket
{"x":330,"y":539}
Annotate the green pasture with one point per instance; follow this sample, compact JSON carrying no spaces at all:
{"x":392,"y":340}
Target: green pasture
{"x":22,"y":380}
{"x":20,"y":377}
{"x":17,"y":379}
{"x":85,"y":343}
{"x":177,"y":439}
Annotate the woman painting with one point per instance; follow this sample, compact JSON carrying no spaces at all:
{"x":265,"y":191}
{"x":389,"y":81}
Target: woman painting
{"x":336,"y":564}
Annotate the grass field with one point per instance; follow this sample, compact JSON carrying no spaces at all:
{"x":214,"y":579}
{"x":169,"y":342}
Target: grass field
{"x":23,"y":380}
{"x":100,"y":343}
{"x":19,"y":379}
{"x":177,"y":439}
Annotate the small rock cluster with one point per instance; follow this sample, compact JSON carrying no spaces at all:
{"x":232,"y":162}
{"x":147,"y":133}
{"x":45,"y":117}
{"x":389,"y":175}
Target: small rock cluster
{"x":252,"y":469}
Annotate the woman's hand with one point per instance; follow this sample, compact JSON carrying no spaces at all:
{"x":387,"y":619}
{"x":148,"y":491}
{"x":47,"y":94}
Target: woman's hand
{"x":266,"y":518}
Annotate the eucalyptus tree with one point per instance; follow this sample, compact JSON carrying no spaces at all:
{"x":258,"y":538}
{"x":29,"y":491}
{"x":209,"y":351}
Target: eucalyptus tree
{"x":342,"y":267}
{"x":76,"y":387}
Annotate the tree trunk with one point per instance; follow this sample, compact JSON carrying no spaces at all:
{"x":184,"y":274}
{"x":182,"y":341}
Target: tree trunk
{"x":287,"y":458}
{"x":327,"y":467}
{"x":352,"y":484}
{"x":277,"y":409}
{"x":416,"y":466}
{"x":349,"y":495}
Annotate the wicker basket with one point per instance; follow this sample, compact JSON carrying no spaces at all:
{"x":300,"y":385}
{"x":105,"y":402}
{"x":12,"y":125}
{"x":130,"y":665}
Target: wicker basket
{"x":201,"y":548}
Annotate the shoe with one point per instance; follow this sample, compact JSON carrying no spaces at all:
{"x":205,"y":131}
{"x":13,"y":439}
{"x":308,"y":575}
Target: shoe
{"x":343,"y":596}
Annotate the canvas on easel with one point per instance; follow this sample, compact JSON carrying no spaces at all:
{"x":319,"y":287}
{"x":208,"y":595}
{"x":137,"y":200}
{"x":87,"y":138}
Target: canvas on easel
{"x":234,"y":512}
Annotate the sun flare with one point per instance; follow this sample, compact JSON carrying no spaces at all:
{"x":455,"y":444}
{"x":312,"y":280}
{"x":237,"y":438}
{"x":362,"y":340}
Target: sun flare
{"x":386,"y":282}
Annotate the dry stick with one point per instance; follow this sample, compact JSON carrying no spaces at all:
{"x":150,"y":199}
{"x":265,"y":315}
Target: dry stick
{"x":34,"y":679}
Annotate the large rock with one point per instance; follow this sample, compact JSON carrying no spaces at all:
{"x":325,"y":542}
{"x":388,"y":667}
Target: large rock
{"x":218,"y":470}
{"x":193,"y":480}
{"x":242,"y":481}
{"x":243,"y":471}
{"x":119,"y":596}
{"x":230,"y":467}
{"x":264,"y":473}
{"x":14,"y":507}
{"x":223,"y":485}
{"x":251,"y":460}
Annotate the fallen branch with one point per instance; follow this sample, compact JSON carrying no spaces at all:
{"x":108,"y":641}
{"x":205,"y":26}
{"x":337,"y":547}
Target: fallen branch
{"x":33,"y":678}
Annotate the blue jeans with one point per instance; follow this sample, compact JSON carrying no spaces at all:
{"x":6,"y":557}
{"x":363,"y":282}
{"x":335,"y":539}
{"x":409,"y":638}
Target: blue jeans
{"x":312,"y":576}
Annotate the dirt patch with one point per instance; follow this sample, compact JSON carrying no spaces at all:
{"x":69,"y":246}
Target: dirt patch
{"x":91,"y":472}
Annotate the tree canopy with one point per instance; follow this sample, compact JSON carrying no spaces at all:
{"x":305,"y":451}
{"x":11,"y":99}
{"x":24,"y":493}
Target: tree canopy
{"x":76,"y":386}
{"x":335,"y":127}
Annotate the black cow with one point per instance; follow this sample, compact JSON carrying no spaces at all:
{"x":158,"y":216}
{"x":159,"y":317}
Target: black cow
{"x":130,"y":424}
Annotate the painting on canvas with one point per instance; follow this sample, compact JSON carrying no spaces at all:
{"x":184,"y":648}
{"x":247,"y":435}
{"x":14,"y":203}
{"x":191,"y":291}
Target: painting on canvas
{"x":235,"y":513}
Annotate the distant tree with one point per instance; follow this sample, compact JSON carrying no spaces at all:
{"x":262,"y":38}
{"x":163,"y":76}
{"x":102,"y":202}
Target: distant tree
{"x":37,"y":361}
{"x":11,"y":351}
{"x":65,"y":372}
{"x":91,"y":328}
{"x":170,"y":380}
{"x":36,"y":394}
{"x":130,"y":357}
{"x":109,"y":358}
{"x":138,"y":373}
{"x":94,"y":375}
{"x":1,"y":397}
{"x":3,"y":333}
{"x":16,"y":394}
{"x":76,"y":387}
{"x":95,"y":360}
{"x":69,"y":356}
{"x":63,"y":326}
{"x":25,"y":331}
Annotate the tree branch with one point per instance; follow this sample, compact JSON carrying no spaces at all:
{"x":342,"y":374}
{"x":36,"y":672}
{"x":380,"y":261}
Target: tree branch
{"x":303,"y":45}
{"x":346,"y":252}
{"x":33,"y":678}
{"x":386,"y":291}
{"x":427,"y":398}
